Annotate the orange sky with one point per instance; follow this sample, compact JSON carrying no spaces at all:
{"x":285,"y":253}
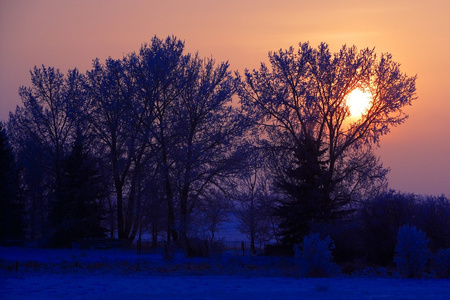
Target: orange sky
{"x":68,"y":34}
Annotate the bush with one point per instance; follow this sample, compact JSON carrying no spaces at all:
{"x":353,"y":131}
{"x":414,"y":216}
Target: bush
{"x":197,"y":247}
{"x":379,"y":220}
{"x":278,"y":250}
{"x":441,"y":263}
{"x":411,"y":252}
{"x":315,"y":258}
{"x":433,"y":217}
{"x":347,"y":238}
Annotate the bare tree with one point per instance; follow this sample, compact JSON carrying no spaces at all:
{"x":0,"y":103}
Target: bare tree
{"x":157,"y":78}
{"x":255,"y":205}
{"x":41,"y":133}
{"x":300,"y":104}
{"x":115,"y":117}
{"x":213,"y":211}
{"x":207,"y":151}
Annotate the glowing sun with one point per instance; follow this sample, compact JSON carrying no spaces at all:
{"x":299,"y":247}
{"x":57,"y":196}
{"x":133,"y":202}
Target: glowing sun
{"x":358,"y":102}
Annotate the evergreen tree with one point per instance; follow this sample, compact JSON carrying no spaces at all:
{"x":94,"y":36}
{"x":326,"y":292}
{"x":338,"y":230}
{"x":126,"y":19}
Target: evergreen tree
{"x":307,"y":200}
{"x":11,"y":209}
{"x":78,"y":210}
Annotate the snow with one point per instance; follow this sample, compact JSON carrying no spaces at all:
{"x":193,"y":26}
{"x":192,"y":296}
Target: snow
{"x":115,"y":274}
{"x":105,"y":286}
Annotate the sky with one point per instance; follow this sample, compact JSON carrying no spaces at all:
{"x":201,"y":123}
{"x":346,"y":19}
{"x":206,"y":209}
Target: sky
{"x":69,"y":34}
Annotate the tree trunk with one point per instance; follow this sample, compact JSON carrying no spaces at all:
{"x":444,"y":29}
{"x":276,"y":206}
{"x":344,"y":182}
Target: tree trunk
{"x":252,"y":243}
{"x":120,"y":231}
{"x":171,"y":232}
{"x":119,"y":195}
{"x":111,"y":218}
{"x":253,"y":221}
{"x":184,"y":215}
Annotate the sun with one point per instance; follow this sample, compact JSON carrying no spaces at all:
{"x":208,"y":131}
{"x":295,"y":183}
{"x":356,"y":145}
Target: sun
{"x":358,"y":102}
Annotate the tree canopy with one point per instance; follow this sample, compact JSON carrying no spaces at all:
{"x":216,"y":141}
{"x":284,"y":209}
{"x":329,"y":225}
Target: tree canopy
{"x":172,"y":134}
{"x":299,"y":105}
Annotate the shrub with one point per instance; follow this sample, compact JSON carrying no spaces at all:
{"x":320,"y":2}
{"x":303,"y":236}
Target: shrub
{"x":348,"y":243}
{"x":278,"y":250}
{"x":197,"y":247}
{"x":441,"y":263}
{"x":433,"y":217}
{"x":315,"y":258}
{"x":379,"y":220}
{"x":411,"y":251}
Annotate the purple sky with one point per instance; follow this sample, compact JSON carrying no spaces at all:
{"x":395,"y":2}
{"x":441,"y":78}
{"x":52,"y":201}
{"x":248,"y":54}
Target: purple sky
{"x":68,"y":34}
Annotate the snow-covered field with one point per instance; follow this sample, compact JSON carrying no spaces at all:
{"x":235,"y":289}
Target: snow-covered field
{"x":93,"y":274}
{"x":76,"y":286}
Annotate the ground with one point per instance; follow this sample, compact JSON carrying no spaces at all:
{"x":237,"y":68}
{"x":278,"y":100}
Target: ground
{"x":93,"y":274}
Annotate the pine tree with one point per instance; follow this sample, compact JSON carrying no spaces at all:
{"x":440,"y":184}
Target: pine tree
{"x":11,"y":209}
{"x":308,"y":196}
{"x":78,"y":211}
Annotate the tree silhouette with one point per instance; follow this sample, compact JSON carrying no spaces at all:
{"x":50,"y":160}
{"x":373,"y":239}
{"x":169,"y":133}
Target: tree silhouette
{"x":308,"y":197}
{"x":77,"y":212}
{"x":41,"y":133}
{"x":168,"y":112}
{"x":304,"y":93}
{"x":11,"y":207}
{"x":164,"y":130}
{"x":160,"y":62}
{"x":115,"y":115}
{"x":207,"y":148}
{"x":255,"y":205}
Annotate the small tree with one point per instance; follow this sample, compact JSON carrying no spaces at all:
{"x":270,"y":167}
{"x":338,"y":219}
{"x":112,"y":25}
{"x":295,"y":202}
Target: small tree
{"x":315,"y":258}
{"x":214,"y":211}
{"x":307,"y":198}
{"x":411,"y":252}
{"x":40,"y":133}
{"x":11,"y":208}
{"x":441,"y":263}
{"x":78,"y":211}
{"x":255,"y":203}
